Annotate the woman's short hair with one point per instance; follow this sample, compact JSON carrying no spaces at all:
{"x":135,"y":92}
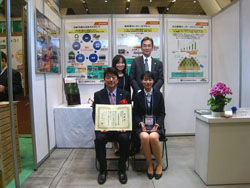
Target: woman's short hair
{"x":147,"y":74}
{"x":110,"y":70}
{"x":116,"y":59}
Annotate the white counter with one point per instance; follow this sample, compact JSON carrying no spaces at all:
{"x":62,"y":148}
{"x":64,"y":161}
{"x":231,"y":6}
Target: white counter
{"x":74,"y":126}
{"x":222,"y":148}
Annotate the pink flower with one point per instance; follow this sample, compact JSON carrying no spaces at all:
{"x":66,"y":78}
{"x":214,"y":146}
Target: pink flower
{"x":220,"y":89}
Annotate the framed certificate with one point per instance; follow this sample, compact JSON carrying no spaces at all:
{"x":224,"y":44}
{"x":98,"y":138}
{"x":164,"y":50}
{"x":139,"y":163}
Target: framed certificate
{"x":113,"y":117}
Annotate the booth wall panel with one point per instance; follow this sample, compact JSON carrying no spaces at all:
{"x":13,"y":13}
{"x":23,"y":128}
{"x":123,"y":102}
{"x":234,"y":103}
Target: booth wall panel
{"x":180,"y":102}
{"x":39,"y":5}
{"x":38,"y":97}
{"x":245,"y":99}
{"x":54,"y":98}
{"x":52,"y":15}
{"x":181,"y":99}
{"x":225,"y":50}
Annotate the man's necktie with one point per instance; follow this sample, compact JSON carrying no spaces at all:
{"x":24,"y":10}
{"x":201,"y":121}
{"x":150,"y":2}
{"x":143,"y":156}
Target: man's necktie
{"x":146,"y":65}
{"x":111,"y":99}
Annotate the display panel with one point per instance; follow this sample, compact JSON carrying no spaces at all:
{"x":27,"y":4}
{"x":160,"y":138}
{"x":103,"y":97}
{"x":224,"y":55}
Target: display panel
{"x":47,"y":45}
{"x":188,"y":51}
{"x":86,"y":49}
{"x":130,"y":32}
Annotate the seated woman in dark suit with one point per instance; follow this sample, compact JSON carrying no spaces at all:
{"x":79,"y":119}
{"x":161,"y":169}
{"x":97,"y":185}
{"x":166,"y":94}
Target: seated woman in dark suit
{"x":149,"y":114}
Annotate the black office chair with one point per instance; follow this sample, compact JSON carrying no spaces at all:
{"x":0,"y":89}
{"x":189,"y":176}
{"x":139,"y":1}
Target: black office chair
{"x":140,"y":157}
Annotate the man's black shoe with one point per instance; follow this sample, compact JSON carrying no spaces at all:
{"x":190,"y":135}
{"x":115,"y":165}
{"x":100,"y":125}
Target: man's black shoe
{"x":102,"y":177}
{"x":122,"y":177}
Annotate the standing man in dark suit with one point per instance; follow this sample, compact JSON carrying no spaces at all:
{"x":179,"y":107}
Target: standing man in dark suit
{"x":111,"y":95}
{"x":139,"y":66}
{"x":145,"y":63}
{"x":16,"y":76}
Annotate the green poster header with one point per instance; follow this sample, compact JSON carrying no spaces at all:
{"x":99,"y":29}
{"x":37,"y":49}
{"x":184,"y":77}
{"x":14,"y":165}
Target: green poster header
{"x":16,"y":26}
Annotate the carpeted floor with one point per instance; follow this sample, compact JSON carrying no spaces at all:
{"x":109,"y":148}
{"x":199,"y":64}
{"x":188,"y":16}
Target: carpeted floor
{"x":27,"y":160}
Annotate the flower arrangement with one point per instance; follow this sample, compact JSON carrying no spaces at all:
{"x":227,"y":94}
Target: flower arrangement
{"x":218,"y":97}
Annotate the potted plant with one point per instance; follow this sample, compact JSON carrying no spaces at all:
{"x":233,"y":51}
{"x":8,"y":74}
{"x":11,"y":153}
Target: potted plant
{"x":218,"y":98}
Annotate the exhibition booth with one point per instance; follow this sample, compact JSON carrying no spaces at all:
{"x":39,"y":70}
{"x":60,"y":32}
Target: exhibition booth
{"x":196,"y":51}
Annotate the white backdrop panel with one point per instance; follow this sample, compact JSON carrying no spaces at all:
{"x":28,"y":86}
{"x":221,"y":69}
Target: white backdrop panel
{"x":54,"y":98}
{"x":225,"y":50}
{"x":245,"y":99}
{"x":182,"y":99}
{"x":38,"y":90}
{"x":52,"y":15}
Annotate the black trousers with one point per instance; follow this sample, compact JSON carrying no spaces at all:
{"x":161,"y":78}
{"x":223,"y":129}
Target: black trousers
{"x":123,"y":138}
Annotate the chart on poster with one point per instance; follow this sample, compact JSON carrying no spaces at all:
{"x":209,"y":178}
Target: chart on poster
{"x":86,"y":49}
{"x":188,"y":54}
{"x":131,"y":31}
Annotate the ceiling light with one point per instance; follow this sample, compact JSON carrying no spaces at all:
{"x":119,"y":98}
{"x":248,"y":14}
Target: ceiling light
{"x":194,"y":1}
{"x":167,"y":9}
{"x":105,"y":1}
{"x":127,"y":8}
{"x":83,"y":1}
{"x":128,"y":0}
{"x":173,"y":1}
{"x":150,"y":1}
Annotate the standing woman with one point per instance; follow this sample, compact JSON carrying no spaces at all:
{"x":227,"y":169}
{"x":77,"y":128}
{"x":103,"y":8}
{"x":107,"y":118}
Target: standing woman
{"x":119,"y":63}
{"x":149,"y":114}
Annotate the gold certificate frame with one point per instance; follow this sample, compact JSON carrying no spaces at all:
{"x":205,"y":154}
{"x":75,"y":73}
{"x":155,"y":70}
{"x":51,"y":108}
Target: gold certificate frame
{"x":113,"y":117}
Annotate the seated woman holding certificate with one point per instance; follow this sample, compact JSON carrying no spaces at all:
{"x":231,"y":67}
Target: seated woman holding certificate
{"x":149,"y":114}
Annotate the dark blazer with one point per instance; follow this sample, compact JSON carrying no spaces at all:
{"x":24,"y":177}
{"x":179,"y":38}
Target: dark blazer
{"x":138,"y":68}
{"x":17,"y":84}
{"x":140,"y":110}
{"x":124,"y":83}
{"x":101,"y":97}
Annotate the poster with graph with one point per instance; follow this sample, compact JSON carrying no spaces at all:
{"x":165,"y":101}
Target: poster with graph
{"x":188,"y":51}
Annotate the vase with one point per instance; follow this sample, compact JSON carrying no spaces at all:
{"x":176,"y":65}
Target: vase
{"x":218,"y":114}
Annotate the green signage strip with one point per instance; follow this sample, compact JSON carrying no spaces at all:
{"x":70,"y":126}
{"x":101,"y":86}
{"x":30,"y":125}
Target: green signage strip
{"x":186,"y":74}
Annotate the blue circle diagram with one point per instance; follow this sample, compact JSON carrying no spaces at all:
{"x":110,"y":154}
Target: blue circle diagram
{"x":93,"y":58}
{"x":76,"y":45}
{"x":97,"y":45}
{"x":86,"y":37}
{"x":80,"y":58}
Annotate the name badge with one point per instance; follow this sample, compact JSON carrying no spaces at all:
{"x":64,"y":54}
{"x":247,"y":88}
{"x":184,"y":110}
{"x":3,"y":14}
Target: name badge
{"x":149,"y":120}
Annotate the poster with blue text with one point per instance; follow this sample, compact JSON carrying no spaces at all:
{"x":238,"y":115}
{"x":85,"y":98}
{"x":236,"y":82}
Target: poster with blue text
{"x":188,"y":51}
{"x":86,"y":49}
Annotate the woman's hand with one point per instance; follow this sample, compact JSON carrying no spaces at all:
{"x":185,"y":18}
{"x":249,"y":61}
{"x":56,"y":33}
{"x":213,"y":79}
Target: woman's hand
{"x":155,"y":128}
{"x":143,"y":127}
